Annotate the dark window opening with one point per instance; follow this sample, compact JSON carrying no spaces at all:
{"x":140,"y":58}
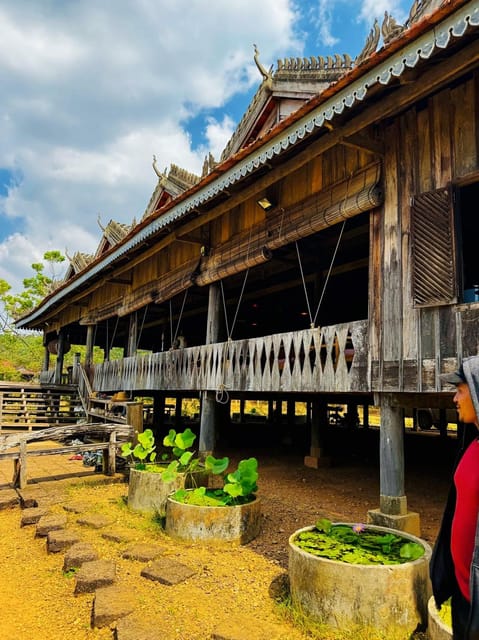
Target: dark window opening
{"x":468,"y":231}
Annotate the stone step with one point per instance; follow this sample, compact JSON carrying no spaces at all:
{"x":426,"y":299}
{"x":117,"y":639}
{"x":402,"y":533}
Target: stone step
{"x":167,"y":571}
{"x":50,"y":523}
{"x":142,"y":552}
{"x":94,"y":575}
{"x":32,"y":515}
{"x":111,"y":604}
{"x":78,"y":554}
{"x":61,"y":540}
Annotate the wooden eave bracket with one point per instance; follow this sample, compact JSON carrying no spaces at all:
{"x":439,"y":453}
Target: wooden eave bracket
{"x":190,"y":238}
{"x":126,"y":281}
{"x":364,"y":143}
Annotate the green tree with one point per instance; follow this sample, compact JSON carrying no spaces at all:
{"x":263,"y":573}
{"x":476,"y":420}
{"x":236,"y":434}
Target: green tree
{"x":35,"y":289}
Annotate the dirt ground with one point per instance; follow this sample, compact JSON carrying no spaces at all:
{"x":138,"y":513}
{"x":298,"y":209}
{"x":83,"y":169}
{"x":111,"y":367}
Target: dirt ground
{"x":234,"y":590}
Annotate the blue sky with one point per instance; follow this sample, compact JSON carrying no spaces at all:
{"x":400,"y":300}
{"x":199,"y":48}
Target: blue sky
{"x":91,"y":90}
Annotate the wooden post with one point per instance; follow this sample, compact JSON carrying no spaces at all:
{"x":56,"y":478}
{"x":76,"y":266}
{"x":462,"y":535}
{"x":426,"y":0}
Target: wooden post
{"x":291,"y":412}
{"x":134,"y":416}
{"x":132,"y":335}
{"x":241,"y":411}
{"x":366,"y":415}
{"x":392,"y":510}
{"x":158,"y":413}
{"x":270,"y":410}
{"x":21,"y":471}
{"x":60,"y":354}
{"x":178,"y":411}
{"x":46,"y":355}
{"x":319,"y":424}
{"x":109,"y":460}
{"x":89,"y":346}
{"x":208,"y":420}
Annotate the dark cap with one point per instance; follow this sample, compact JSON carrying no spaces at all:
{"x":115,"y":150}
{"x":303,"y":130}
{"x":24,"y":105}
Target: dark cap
{"x":456,"y":377}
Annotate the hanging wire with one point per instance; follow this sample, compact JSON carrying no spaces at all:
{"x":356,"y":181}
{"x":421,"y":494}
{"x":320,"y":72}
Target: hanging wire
{"x":114,"y":333}
{"x":141,"y":328}
{"x":173,"y":336}
{"x":222,"y":395}
{"x":312,"y":320}
{"x":304,"y":285}
{"x":329,"y":272}
{"x":180,"y":316}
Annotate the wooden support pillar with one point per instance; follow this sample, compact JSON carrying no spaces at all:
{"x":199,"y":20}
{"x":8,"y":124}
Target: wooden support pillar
{"x":60,"y":356}
{"x":159,"y":400}
{"x":366,"y":415}
{"x":278,"y":411}
{"x":134,"y":416}
{"x":241,"y":412}
{"x":319,"y":424}
{"x":291,"y":412}
{"x":209,"y":417}
{"x":270,"y":411}
{"x":89,"y":345}
{"x":178,"y":411}
{"x":46,"y":360}
{"x":392,"y":510}
{"x":46,"y":355}
{"x":132,"y":335}
{"x":106,"y":352}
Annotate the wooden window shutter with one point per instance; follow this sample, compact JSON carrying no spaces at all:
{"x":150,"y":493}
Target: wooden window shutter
{"x":433,"y":250}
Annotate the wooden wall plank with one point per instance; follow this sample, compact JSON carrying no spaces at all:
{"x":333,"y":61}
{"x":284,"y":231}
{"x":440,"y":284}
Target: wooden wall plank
{"x":392,"y":285}
{"x":464,"y":116}
{"x":441,"y":139}
{"x":407,"y":186}
{"x":423,"y":152}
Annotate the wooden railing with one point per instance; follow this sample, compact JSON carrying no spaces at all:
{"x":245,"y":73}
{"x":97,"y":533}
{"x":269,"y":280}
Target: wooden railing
{"x":329,"y":359}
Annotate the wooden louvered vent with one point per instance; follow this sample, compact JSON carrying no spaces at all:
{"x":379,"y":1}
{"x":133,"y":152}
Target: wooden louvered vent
{"x":433,"y":252}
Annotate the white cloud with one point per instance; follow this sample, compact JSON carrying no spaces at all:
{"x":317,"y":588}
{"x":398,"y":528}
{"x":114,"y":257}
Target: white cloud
{"x":90,"y":91}
{"x":324,"y":23}
{"x":216,"y":134}
{"x":371,"y":9}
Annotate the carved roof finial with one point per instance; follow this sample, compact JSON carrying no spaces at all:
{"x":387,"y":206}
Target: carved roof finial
{"x":370,"y":45}
{"x":69,"y":257}
{"x":157,"y":171}
{"x":390,"y":29}
{"x":99,"y":222}
{"x":267,"y":75}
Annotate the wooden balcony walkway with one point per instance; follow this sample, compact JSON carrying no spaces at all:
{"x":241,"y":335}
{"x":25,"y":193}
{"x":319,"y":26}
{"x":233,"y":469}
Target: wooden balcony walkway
{"x":328,"y":359}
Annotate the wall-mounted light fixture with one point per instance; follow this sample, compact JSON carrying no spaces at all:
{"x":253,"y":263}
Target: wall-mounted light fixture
{"x":265,"y":203}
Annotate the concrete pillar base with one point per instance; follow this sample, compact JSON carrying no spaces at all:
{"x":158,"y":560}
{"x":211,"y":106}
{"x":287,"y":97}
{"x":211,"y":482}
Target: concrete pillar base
{"x":315,"y":462}
{"x":409,"y":522}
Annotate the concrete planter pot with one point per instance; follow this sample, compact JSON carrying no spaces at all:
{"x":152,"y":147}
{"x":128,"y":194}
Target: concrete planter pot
{"x":147,"y":492}
{"x":436,"y":629}
{"x":391,"y":598}
{"x":213,"y":525}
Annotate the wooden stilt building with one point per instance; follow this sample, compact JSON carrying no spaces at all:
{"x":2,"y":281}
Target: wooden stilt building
{"x":327,"y":256}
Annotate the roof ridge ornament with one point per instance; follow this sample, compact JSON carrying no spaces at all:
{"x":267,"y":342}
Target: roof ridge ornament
{"x":208,"y":165}
{"x":267,"y":75}
{"x":316,"y":63}
{"x":420,"y":8}
{"x":371,"y":43}
{"x":390,"y":29}
{"x":157,"y":171}
{"x":98,"y":219}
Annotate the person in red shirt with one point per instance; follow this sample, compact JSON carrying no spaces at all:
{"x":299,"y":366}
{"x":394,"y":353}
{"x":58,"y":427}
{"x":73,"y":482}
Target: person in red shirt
{"x":455,"y":562}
